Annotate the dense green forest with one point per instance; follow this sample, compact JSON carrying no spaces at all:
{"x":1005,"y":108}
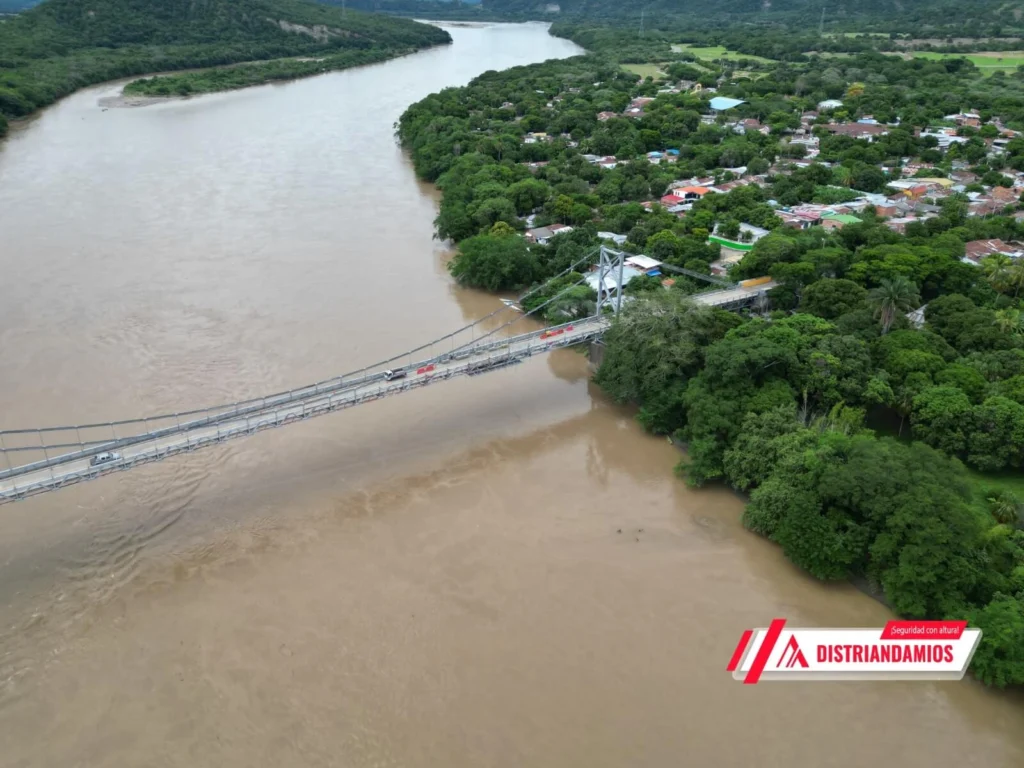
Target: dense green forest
{"x":62,"y":45}
{"x":871,"y":448}
{"x":424,"y":9}
{"x":971,"y":17}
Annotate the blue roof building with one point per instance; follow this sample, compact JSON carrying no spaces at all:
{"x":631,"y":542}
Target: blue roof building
{"x":721,"y":103}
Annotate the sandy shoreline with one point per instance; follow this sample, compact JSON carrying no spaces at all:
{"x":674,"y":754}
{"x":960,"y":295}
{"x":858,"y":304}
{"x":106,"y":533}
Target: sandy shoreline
{"x":120,"y":100}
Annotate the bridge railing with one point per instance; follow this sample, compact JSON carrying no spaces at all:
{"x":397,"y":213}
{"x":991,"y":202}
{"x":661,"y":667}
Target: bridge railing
{"x":84,"y":449}
{"x":57,"y":447}
{"x":92,"y":439}
{"x":494,"y":358}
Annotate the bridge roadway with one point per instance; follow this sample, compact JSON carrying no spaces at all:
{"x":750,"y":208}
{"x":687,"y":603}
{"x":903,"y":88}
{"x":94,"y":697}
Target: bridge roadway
{"x":73,"y":466}
{"x":483,"y":357}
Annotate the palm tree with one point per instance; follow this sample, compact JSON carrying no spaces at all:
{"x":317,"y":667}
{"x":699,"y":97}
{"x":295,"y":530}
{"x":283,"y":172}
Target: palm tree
{"x":997,"y":269}
{"x":842,"y":175}
{"x":904,"y":404}
{"x":898,"y":295}
{"x":1015,"y":276}
{"x":1010,"y":321}
{"x":1005,"y":508}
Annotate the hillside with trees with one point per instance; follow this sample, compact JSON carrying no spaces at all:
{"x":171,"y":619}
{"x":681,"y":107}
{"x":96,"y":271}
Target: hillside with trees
{"x":423,"y":9}
{"x":63,"y":45}
{"x":920,"y":14}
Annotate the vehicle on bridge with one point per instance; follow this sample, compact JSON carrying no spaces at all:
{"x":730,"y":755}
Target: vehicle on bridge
{"x":104,"y":458}
{"x":397,"y":373}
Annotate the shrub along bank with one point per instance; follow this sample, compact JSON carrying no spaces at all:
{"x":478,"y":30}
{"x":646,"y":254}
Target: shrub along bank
{"x":775,"y":407}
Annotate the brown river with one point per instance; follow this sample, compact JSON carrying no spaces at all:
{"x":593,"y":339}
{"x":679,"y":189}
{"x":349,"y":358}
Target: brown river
{"x":497,"y":571}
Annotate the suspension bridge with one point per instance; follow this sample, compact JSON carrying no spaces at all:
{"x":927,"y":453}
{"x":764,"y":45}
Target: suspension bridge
{"x":48,"y":458}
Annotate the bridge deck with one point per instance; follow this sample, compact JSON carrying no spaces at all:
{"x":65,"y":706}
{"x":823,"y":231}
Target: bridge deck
{"x":68,"y":463}
{"x":74,"y":467}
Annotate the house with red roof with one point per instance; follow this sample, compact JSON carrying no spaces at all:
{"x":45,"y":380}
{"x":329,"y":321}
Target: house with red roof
{"x":689,"y":194}
{"x":976,"y":250}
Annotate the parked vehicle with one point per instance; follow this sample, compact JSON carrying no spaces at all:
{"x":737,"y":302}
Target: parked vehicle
{"x":398,"y":373}
{"x":104,"y":458}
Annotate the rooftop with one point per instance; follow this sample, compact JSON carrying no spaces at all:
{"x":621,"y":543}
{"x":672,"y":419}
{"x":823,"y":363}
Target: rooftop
{"x":857,"y":129}
{"x":720,"y":103}
{"x":642,"y":262}
{"x":845,"y":218}
{"x":976,"y":250}
{"x":611,"y":280}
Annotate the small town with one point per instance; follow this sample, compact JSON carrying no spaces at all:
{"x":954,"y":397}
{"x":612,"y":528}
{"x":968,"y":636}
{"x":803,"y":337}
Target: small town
{"x":912,"y":195}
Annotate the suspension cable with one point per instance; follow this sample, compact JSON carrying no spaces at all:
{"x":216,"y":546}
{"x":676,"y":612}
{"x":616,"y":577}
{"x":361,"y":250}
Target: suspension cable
{"x":255,"y":400}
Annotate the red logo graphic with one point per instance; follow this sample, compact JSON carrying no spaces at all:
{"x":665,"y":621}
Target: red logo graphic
{"x":796,"y":656}
{"x":761,"y":659}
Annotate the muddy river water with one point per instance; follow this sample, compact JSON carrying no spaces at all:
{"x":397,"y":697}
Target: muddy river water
{"x":498,"y":571}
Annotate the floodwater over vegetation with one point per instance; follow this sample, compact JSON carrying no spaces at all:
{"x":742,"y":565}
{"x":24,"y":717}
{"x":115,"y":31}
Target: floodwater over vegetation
{"x":498,"y":571}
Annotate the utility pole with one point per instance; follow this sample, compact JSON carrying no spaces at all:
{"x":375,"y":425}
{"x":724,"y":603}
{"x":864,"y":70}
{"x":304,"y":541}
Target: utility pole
{"x":642,"y":12}
{"x":821,"y":24}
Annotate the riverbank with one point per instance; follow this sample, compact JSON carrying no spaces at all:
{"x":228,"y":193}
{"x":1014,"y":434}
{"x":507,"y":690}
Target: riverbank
{"x":863,"y":584}
{"x":120,"y":101}
{"x":54,"y":50}
{"x":162,"y":87}
{"x":772,"y":404}
{"x":251,"y":74}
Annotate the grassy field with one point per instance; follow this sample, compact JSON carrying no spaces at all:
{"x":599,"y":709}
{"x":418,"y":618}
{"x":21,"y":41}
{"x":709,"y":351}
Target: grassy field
{"x":987,"y":61}
{"x":711,"y":53}
{"x":752,"y":75}
{"x":646,"y":70}
{"x":1008,"y":481}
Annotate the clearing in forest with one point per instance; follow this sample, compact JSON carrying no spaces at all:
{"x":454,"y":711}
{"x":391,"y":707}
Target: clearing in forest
{"x":646,"y":70}
{"x":713,"y":52}
{"x":987,"y":61}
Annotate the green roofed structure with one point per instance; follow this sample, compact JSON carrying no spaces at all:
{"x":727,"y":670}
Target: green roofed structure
{"x":842,"y":218}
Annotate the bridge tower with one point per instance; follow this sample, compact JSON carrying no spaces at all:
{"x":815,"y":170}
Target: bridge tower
{"x":610,"y":264}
